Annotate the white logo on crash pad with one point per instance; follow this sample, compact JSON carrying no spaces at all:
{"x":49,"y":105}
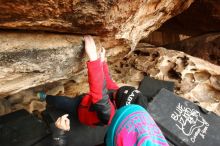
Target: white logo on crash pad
{"x":190,"y":122}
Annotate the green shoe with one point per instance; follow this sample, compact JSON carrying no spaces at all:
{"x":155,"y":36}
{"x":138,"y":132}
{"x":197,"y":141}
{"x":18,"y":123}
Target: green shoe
{"x":42,"y":95}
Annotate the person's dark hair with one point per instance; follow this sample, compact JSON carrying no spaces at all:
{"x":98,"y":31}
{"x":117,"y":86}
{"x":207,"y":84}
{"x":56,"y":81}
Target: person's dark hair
{"x":129,"y":95}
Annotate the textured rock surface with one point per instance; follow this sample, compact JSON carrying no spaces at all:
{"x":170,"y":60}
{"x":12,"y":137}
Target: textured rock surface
{"x":205,"y":46}
{"x":203,"y":16}
{"x":28,"y":60}
{"x":195,"y":79}
{"x":162,"y":38}
{"x":31,"y":59}
{"x":121,"y":19}
{"x":55,"y":63}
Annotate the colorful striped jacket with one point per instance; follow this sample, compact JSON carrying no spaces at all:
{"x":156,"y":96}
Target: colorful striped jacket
{"x":133,"y":126}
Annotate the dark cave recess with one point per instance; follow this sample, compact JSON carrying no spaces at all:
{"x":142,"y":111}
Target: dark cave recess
{"x":196,"y":31}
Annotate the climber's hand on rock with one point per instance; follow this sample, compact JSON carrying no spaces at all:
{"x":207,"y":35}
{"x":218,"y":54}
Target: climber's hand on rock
{"x":63,"y":123}
{"x":90,"y":47}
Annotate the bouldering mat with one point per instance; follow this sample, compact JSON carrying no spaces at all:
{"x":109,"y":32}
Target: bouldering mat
{"x":183,"y":122}
{"x":21,"y":129}
{"x":150,"y":87}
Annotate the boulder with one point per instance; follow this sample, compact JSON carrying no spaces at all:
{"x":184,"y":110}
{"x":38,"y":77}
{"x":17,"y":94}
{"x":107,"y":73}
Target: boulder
{"x":121,"y":19}
{"x":31,"y":59}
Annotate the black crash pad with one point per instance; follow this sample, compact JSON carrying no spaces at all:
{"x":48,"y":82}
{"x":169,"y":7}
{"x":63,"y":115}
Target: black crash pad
{"x":183,"y":122}
{"x":46,"y":141}
{"x":21,"y":129}
{"x":170,"y":144}
{"x":79,"y":135}
{"x":150,"y":86}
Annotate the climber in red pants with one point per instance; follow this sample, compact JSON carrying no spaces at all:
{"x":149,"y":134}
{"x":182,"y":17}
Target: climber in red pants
{"x":95,"y":107}
{"x":98,"y":107}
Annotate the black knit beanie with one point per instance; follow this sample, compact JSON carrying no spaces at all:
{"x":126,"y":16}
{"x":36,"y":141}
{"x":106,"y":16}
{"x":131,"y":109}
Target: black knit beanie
{"x":128,"y":95}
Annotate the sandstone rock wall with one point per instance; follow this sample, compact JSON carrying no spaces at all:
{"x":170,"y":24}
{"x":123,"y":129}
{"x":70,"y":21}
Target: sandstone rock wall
{"x":162,"y":38}
{"x":32,"y":61}
{"x":206,"y":47}
{"x":203,"y":16}
{"x":195,"y":79}
{"x":121,"y":19}
{"x":28,"y":60}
